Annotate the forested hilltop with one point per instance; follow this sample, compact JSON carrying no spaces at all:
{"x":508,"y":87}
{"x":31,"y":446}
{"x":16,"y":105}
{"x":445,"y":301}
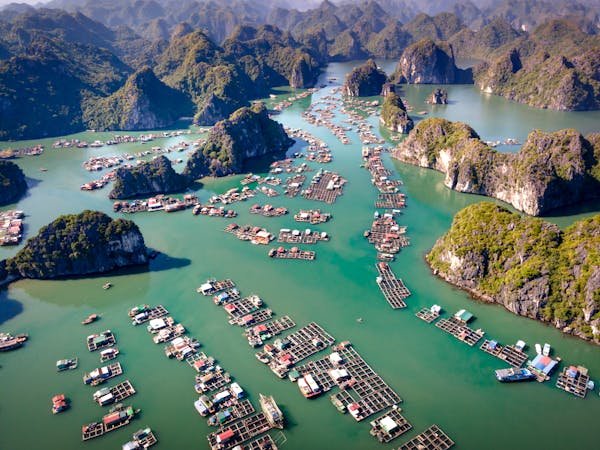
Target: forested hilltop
{"x":131,"y":65}
{"x":527,"y":265}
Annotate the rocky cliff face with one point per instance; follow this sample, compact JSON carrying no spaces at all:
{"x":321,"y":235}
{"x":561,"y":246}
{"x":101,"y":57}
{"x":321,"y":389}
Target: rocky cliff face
{"x":551,"y":170}
{"x":394,"y":115}
{"x":438,"y":97}
{"x":80,"y":244}
{"x":247,"y":133}
{"x":527,"y":265}
{"x":569,"y":84}
{"x":12,"y":182}
{"x":303,"y":73}
{"x":149,"y":178}
{"x":143,"y":103}
{"x":425,"y":62}
{"x":365,"y":80}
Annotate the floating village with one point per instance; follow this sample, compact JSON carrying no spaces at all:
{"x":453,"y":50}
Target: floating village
{"x":302,"y":353}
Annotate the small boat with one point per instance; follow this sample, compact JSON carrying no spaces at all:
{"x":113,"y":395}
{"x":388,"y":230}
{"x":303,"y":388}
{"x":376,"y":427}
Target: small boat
{"x":108,"y":354}
{"x":90,"y":319}
{"x":107,"y":285}
{"x":520,"y":345}
{"x":43,"y":169}
{"x":512,"y":375}
{"x":10,"y":342}
{"x":359,"y":320}
{"x":538,"y":349}
{"x":66,"y":364}
{"x":546,"y":350}
{"x":59,"y":403}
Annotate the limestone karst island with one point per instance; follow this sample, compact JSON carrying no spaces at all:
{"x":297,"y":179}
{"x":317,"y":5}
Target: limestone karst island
{"x":293,"y":225}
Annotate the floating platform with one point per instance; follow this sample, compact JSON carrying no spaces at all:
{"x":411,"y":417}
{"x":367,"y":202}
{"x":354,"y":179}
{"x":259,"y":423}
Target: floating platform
{"x":460,"y":330}
{"x":301,"y":237}
{"x":365,"y":393}
{"x":292,"y":253}
{"x":212,"y":286}
{"x":393,"y":288}
{"x":155,"y":312}
{"x":293,"y":185}
{"x":120,"y":391}
{"x":574,"y":380}
{"x":244,"y":306}
{"x":389,"y":426}
{"x":312,"y":216}
{"x":211,"y":381}
{"x":239,"y":410}
{"x":144,"y":438}
{"x":239,"y":432}
{"x":101,"y":340}
{"x":427,"y":315}
{"x":508,"y":353}
{"x":109,"y":422}
{"x":257,"y":334}
{"x":262,"y":443}
{"x":301,"y":344}
{"x":433,"y":438}
{"x":114,"y":370}
{"x":325,"y":187}
{"x":268,"y":210}
{"x":390,"y":201}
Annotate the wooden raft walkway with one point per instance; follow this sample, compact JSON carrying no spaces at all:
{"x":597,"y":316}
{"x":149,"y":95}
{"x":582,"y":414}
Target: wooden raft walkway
{"x":433,"y":438}
{"x":293,"y":185}
{"x":390,"y":201}
{"x":153,"y":313}
{"x":243,"y":430}
{"x":383,"y":436}
{"x":238,"y":411}
{"x":272,"y":328}
{"x":318,"y":189}
{"x":460,"y":331}
{"x":122,"y":391}
{"x":393,"y":288}
{"x":427,"y":315}
{"x":293,"y":253}
{"x":217,"y":381}
{"x":573,"y":385}
{"x":253,"y":318}
{"x":262,"y":443}
{"x":289,"y":237}
{"x":244,"y":306}
{"x":508,"y":353}
{"x":366,"y":388}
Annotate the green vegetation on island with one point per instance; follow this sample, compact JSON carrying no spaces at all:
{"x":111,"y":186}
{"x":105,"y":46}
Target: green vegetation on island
{"x":79,"y":244}
{"x":365,"y":80}
{"x":528,"y":265}
{"x":12,"y":182}
{"x":551,"y":170}
{"x":394,"y":115}
{"x":148,"y":178}
{"x":247,"y":133}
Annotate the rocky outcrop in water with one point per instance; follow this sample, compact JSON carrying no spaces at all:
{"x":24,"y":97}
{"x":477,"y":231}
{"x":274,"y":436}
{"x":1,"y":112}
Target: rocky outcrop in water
{"x":365,"y":80}
{"x":148,"y":178}
{"x":248,"y":133}
{"x":12,"y":182}
{"x":394,"y":115}
{"x":425,"y":62}
{"x":551,"y":170}
{"x":438,"y":97}
{"x":527,"y":265}
{"x":79,"y":244}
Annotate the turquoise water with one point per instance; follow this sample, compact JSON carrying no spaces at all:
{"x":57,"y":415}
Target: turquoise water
{"x":441,"y":380}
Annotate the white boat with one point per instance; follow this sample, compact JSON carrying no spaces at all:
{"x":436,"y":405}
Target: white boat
{"x":436,"y":309}
{"x":538,"y":349}
{"x":547,"y":349}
